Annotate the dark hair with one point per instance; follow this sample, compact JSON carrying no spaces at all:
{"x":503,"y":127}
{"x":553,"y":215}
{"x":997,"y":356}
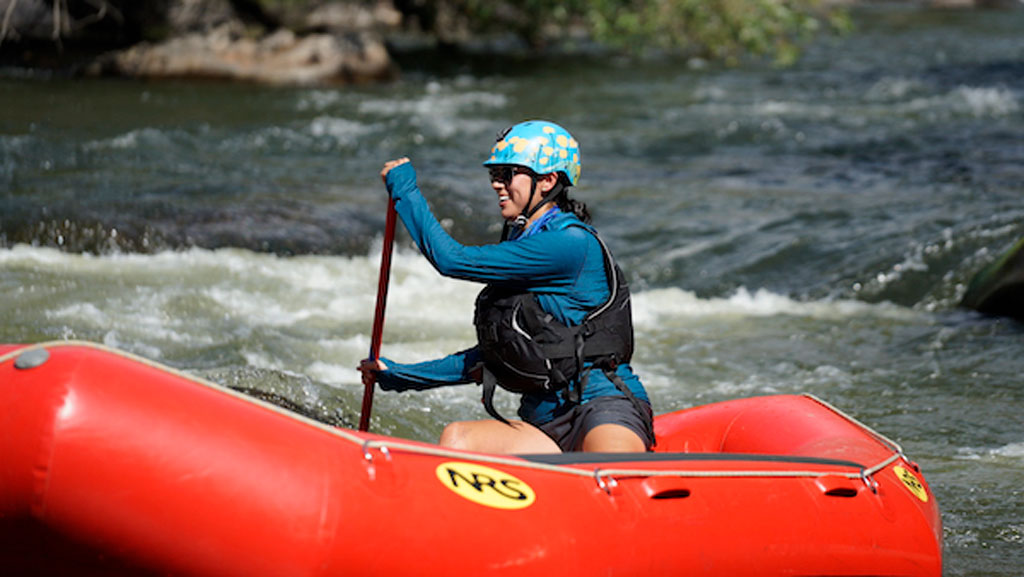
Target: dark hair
{"x":567,"y":204}
{"x":574,"y":206}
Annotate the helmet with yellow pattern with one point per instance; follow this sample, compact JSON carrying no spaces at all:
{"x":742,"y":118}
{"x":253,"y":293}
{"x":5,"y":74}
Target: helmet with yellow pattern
{"x":539,"y":145}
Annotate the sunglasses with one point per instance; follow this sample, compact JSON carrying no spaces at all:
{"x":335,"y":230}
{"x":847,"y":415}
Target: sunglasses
{"x":504,"y":174}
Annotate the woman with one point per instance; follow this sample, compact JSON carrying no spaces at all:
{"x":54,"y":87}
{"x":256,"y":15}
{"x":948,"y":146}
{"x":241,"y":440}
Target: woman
{"x":553,"y":271}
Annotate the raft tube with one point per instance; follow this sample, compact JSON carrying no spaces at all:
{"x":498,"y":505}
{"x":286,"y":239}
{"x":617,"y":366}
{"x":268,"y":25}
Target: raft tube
{"x":114,"y":465}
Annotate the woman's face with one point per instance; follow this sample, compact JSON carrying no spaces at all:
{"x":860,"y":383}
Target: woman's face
{"x":513,"y":183}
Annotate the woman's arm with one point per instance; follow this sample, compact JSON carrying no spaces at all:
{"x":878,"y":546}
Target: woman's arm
{"x":455,"y":369}
{"x":552,"y":259}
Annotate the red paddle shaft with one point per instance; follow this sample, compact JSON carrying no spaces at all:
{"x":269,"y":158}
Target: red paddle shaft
{"x":378,"y":319}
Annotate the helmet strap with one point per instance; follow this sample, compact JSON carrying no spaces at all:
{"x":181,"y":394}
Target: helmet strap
{"x":528,"y":211}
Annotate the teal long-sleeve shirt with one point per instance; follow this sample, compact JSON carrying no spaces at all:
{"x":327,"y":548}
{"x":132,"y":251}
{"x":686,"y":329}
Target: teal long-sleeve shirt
{"x":560,"y":262}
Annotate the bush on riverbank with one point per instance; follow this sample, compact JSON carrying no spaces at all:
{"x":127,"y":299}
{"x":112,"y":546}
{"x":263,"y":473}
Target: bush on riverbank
{"x":721,"y":30}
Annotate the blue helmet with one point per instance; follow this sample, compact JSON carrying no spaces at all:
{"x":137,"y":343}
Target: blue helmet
{"x":541,"y":146}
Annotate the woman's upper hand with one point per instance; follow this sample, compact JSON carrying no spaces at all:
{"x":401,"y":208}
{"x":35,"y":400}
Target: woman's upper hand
{"x":399,"y":182}
{"x":391,"y":164}
{"x":370,"y":368}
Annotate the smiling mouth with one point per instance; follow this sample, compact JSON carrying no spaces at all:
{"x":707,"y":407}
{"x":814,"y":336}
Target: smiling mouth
{"x":503,"y":198}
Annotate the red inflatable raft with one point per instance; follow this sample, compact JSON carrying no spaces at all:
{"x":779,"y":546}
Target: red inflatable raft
{"x":113,"y":465}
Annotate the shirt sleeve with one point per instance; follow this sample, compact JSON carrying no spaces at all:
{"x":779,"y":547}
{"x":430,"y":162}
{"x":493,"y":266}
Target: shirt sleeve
{"x":455,"y":369}
{"x":530,"y":262}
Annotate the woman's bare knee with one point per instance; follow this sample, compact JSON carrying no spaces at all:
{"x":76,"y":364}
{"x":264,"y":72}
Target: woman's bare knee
{"x":455,"y":436}
{"x":611,"y":438}
{"x":493,"y":437}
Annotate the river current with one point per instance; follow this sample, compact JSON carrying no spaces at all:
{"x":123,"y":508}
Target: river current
{"x":808,"y":229}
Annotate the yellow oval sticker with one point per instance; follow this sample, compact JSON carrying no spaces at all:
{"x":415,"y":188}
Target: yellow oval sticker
{"x":911,"y":482}
{"x":485,"y":486}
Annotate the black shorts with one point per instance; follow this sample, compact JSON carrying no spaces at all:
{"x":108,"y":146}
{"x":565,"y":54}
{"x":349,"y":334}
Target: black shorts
{"x":569,"y":428}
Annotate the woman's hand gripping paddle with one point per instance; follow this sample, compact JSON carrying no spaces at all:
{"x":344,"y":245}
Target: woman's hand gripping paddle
{"x":378,"y":319}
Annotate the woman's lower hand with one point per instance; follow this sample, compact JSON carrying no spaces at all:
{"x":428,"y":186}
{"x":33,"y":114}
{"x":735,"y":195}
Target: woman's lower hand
{"x":369,"y":368}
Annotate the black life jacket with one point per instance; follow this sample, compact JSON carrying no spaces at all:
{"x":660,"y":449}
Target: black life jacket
{"x":526,"y":350}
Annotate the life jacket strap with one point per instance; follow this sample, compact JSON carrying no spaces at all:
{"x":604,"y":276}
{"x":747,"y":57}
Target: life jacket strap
{"x":637,"y":403}
{"x":489,"y":383}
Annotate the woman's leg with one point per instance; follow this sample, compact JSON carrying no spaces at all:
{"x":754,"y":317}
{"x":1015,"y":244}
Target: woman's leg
{"x":491,"y":436}
{"x":611,"y":438}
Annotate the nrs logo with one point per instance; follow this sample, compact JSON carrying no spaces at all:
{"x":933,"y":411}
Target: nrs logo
{"x":911,"y":482}
{"x":485,"y":486}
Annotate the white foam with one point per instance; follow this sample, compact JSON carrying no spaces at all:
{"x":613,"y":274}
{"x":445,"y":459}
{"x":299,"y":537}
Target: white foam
{"x":1012,"y":451}
{"x":314,"y":314}
{"x":916,"y":260}
{"x":318,"y":306}
{"x":260,"y":360}
{"x":113,"y":340}
{"x":343,"y":131}
{"x":82,"y":312}
{"x":442,"y":111}
{"x":651,"y":307}
{"x":979,"y":102}
{"x":789,"y":108}
{"x":148,"y":137}
{"x":893,"y":89}
{"x":278,"y":291}
{"x":985,"y":102}
{"x":318,"y":100}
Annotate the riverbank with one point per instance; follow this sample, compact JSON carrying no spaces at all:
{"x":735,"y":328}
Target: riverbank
{"x":300,"y":43}
{"x":276,"y":42}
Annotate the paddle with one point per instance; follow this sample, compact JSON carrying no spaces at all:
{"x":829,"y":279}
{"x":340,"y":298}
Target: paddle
{"x":378,"y":319}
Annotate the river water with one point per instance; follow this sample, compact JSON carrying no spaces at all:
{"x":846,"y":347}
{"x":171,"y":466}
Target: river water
{"x":801,"y":230}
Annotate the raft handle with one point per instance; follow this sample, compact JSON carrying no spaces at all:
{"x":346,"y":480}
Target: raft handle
{"x":31,"y":359}
{"x":836,"y":486}
{"x":660,"y":488}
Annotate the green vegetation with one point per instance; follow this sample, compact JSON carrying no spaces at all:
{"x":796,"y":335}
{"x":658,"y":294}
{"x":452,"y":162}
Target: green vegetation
{"x":721,"y":30}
